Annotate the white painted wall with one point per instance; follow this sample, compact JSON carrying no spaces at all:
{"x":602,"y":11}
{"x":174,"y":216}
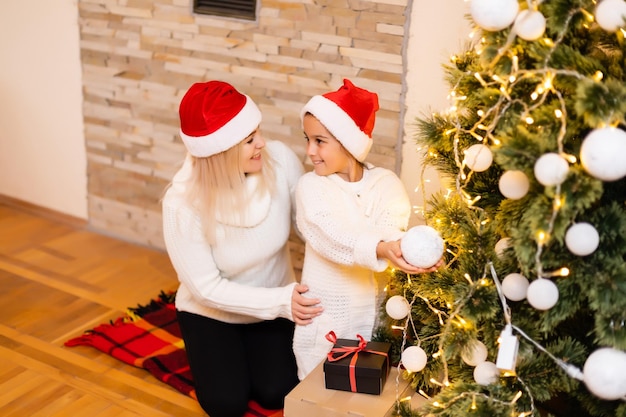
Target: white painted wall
{"x":438,"y":30}
{"x":42,"y":147}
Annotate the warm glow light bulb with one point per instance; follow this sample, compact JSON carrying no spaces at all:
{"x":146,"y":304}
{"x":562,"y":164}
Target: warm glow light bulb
{"x":541,"y":237}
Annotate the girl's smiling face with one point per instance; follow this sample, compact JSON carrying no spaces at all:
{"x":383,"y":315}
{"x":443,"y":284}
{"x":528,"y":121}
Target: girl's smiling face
{"x":326,"y":153}
{"x":250,"y":153}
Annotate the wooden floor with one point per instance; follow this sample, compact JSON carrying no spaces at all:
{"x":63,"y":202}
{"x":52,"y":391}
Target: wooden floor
{"x":57,"y":280}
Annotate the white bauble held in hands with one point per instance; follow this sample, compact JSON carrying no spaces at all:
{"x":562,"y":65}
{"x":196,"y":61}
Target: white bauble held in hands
{"x":422,"y":246}
{"x":604,"y":373}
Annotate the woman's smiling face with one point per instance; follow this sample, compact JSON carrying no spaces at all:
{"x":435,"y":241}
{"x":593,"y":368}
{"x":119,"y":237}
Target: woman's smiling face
{"x":251,"y":159}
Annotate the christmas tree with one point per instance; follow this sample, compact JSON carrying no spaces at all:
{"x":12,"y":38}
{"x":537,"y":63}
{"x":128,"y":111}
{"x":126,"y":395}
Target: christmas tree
{"x":528,"y":316}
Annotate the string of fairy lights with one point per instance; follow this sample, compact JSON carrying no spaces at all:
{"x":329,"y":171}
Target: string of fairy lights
{"x":550,"y":170}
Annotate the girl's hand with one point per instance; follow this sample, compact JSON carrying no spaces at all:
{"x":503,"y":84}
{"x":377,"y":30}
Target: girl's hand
{"x":393,"y":253}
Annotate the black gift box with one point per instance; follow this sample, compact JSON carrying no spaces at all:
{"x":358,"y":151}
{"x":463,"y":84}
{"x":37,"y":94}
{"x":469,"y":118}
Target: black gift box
{"x":370,"y":371}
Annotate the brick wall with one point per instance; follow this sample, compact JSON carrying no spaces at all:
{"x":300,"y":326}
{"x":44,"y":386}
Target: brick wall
{"x":140,"y":56}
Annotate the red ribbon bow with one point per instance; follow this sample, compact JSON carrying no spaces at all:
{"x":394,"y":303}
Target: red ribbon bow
{"x":345,"y":351}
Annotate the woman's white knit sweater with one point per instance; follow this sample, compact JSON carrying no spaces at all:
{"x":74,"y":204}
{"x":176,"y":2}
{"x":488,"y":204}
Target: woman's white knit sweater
{"x":246,"y":276}
{"x":342,"y":224}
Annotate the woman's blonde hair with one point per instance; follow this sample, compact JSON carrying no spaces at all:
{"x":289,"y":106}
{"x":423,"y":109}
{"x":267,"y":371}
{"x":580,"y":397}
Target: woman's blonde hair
{"x":218,"y":185}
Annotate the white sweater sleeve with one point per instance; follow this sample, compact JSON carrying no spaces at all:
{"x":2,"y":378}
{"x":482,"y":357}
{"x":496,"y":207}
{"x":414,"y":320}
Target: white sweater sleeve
{"x":193,"y":261}
{"x":338,"y":233}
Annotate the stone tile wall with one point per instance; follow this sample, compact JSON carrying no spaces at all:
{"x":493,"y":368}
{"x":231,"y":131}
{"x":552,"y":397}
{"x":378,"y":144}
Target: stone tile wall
{"x":140,"y":56}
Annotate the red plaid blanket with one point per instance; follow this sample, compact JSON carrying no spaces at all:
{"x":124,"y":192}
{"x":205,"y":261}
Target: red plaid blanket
{"x":149,"y":337}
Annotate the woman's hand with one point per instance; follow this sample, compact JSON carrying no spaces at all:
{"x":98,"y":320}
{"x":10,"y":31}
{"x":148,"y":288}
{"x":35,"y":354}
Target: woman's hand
{"x":393,"y":253}
{"x":304,"y":309}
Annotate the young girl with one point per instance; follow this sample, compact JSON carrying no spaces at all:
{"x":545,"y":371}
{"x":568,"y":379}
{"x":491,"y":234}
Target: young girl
{"x":351,"y":215}
{"x":226,"y":220}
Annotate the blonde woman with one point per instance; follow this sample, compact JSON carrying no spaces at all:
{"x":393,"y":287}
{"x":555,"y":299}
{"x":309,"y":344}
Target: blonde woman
{"x":226,"y":221}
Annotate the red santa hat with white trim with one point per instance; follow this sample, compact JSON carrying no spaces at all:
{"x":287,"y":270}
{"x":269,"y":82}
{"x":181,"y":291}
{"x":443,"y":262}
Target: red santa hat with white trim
{"x":349,"y":114}
{"x":214,"y":117}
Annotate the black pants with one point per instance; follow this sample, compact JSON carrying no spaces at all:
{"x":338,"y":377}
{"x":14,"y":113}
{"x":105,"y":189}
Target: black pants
{"x":234,"y":363}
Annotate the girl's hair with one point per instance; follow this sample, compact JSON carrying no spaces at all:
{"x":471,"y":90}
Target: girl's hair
{"x":217,"y":185}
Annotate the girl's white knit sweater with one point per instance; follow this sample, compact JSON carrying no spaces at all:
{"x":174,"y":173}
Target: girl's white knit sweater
{"x":246,"y":276}
{"x":342,"y":223}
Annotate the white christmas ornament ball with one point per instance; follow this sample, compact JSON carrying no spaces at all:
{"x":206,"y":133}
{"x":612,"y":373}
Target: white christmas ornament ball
{"x":475,"y":354}
{"x":494,"y":15}
{"x":551,"y":169}
{"x":610,"y":14}
{"x":582,"y":239}
{"x":603,"y":153}
{"x":486,"y":373}
{"x":422,"y":246}
{"x":515,"y":286}
{"x":502,"y":245}
{"x":478,"y":157}
{"x":530,"y":25}
{"x":542,"y":294}
{"x":514,"y":184}
{"x":397,"y":307}
{"x":604,"y":373}
{"x":414,"y":358}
